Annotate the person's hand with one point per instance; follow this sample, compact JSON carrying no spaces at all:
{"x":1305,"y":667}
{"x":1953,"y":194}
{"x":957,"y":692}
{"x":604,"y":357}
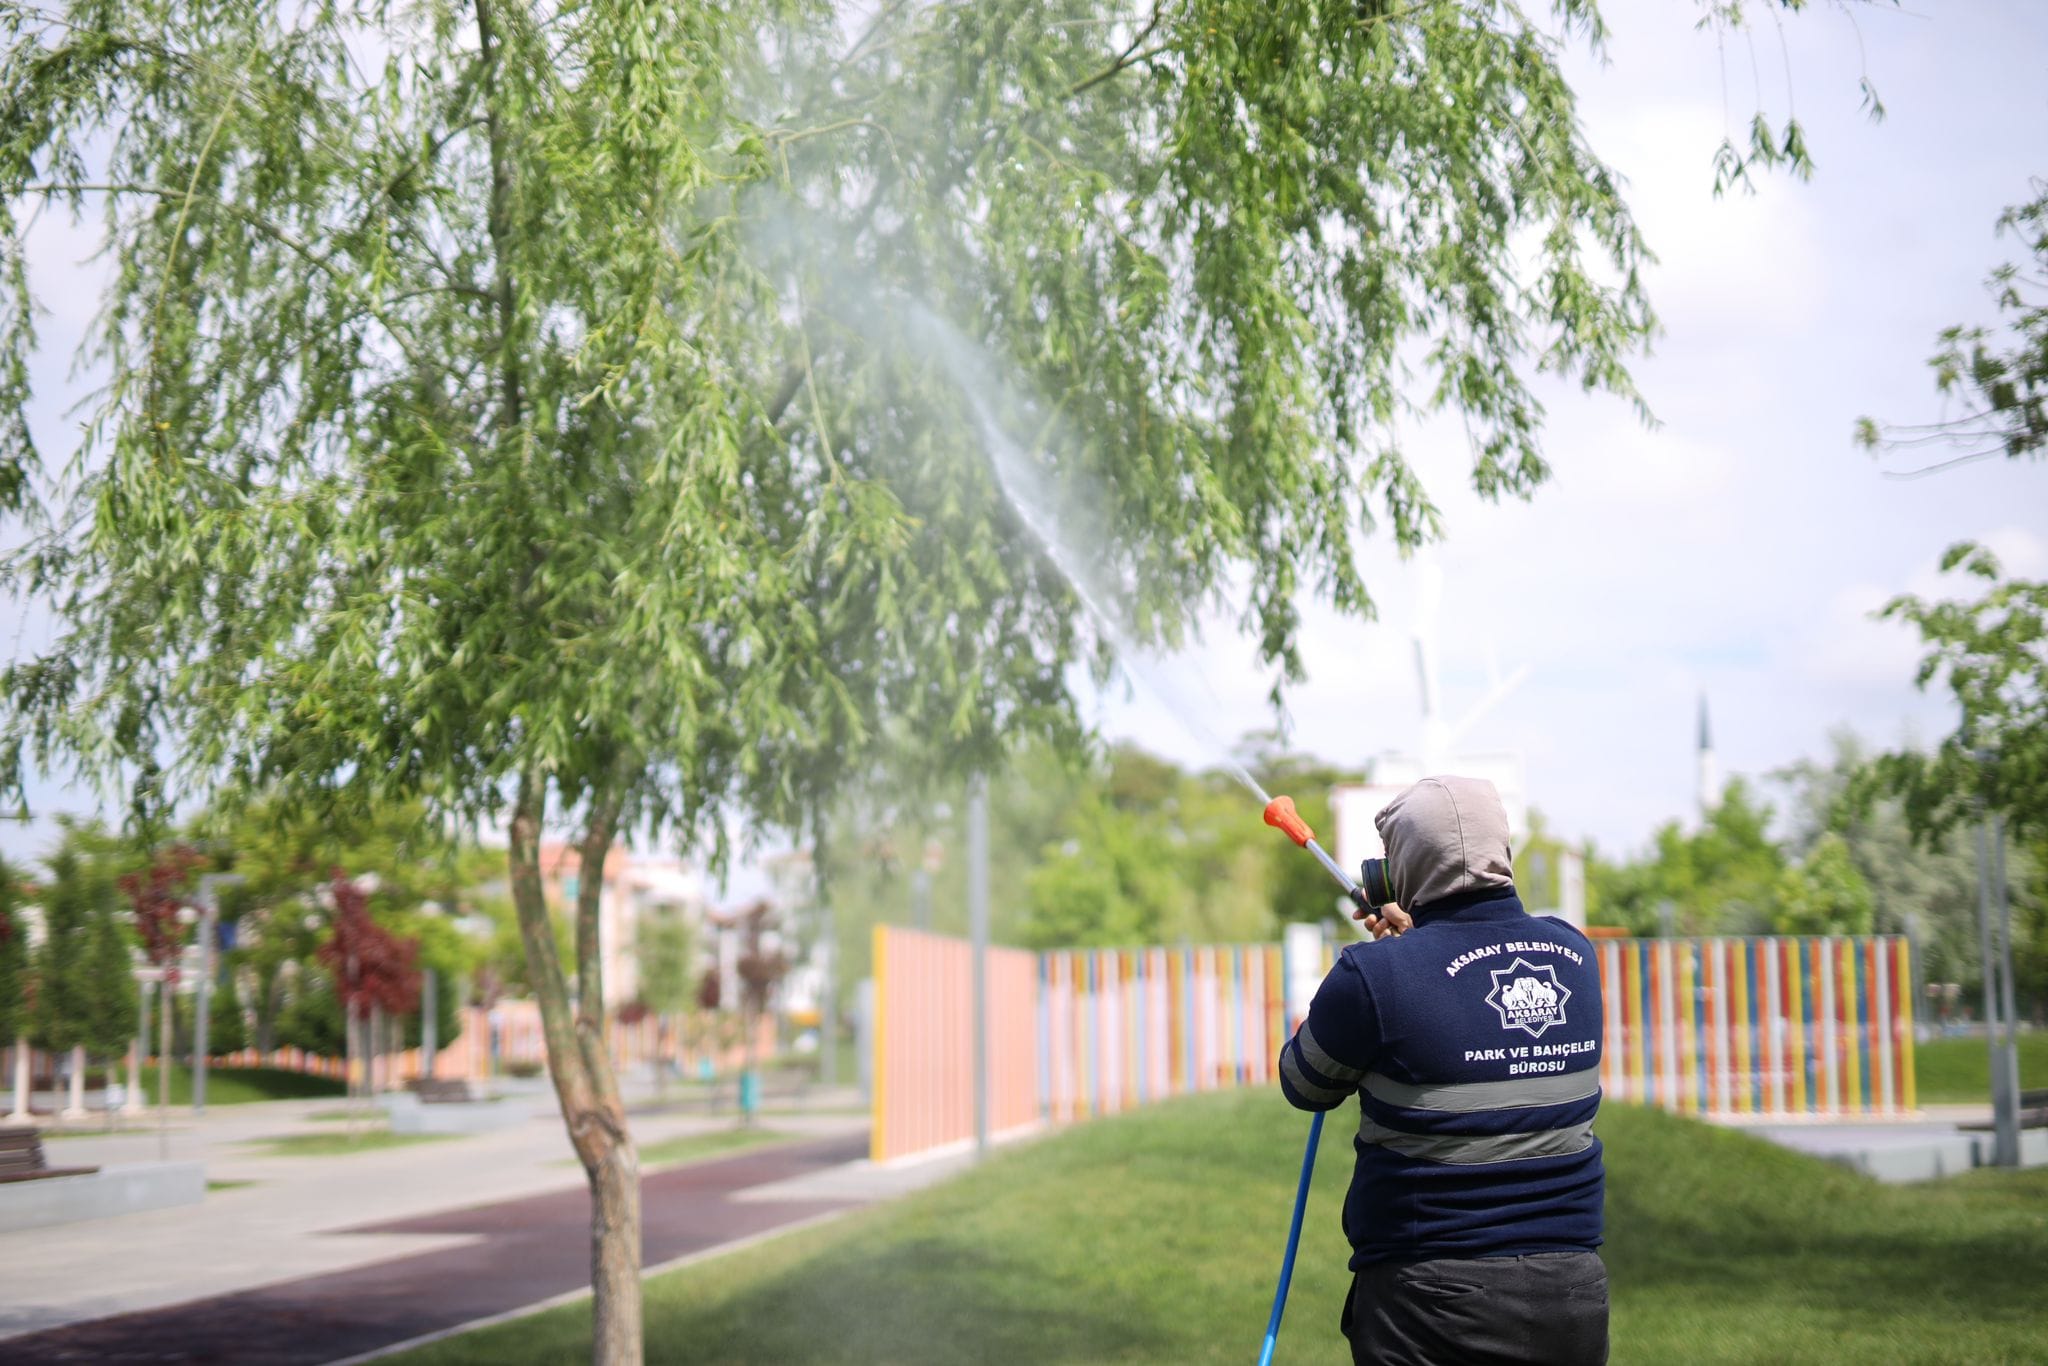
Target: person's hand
{"x":1389,"y":919}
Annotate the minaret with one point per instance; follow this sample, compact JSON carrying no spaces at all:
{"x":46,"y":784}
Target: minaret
{"x":1709,"y":772}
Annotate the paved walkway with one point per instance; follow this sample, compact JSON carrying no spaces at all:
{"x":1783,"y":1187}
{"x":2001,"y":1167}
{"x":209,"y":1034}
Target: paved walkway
{"x":318,"y":1258}
{"x":491,"y":1259}
{"x":1937,"y":1141}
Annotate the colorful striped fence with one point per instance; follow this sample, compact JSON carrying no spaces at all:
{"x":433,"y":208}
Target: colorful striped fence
{"x":1125,"y":1026}
{"x":924,"y":1042}
{"x":1723,"y":1027}
{"x":1071,"y":1034}
{"x":520,"y":1039}
{"x":1764,"y":1026}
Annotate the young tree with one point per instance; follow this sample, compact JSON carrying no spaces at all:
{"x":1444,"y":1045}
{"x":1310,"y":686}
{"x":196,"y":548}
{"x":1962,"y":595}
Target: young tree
{"x":1724,"y":878}
{"x":1992,"y":652}
{"x":85,"y":985}
{"x":112,"y":1012}
{"x":667,"y":960}
{"x":1115,"y":882}
{"x":1147,"y":853}
{"x":371,"y":968}
{"x":1923,"y":888}
{"x":495,"y":411}
{"x":286,"y":854}
{"x":63,"y":969}
{"x":1823,"y":893}
{"x":761,"y":964}
{"x":227,"y":1027}
{"x":156,"y":897}
{"x":311,"y":1016}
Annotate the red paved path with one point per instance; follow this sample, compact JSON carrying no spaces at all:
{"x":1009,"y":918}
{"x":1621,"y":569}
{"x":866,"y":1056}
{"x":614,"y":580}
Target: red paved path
{"x":529,"y":1249}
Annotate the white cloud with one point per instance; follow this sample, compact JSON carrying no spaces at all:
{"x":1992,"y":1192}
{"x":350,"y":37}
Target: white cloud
{"x":1850,"y":648}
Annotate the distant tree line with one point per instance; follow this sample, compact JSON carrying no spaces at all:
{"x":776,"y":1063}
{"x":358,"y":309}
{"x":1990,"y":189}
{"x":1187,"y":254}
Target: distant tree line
{"x":74,"y":931}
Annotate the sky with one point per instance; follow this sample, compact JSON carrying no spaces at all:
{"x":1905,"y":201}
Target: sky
{"x":1736,"y":550}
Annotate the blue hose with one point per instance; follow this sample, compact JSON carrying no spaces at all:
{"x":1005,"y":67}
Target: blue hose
{"x":1308,"y":1170}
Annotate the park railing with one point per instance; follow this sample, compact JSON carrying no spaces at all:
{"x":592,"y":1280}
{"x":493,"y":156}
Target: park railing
{"x":488,"y":1043}
{"x":1759,"y":1026}
{"x":1121,"y":1027}
{"x":1072,"y":1033}
{"x":508,"y":1037}
{"x":923,"y":1095}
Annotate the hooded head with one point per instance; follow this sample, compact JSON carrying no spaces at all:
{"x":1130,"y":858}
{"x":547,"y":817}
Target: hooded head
{"x":1445,"y":836}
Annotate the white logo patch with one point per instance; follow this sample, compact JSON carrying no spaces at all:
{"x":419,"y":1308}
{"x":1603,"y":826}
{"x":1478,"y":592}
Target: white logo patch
{"x":1528,"y":996}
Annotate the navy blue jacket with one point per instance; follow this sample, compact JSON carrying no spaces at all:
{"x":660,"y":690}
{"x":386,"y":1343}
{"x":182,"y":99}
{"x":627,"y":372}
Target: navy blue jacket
{"x":1473,"y":1045}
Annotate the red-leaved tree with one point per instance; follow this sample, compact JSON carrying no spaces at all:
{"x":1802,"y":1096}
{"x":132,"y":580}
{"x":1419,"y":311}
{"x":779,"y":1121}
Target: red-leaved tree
{"x":157,"y":895}
{"x":371,"y":965}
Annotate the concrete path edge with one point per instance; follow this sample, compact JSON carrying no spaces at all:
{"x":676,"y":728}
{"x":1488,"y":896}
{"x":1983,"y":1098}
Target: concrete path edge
{"x":583,"y":1292}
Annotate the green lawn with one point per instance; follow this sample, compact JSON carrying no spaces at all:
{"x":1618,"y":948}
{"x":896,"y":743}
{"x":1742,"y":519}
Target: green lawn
{"x":1155,"y":1237}
{"x":363,"y":1112}
{"x":241,"y":1085}
{"x":689,"y":1147}
{"x":1958,"y":1071}
{"x":366,"y":1139}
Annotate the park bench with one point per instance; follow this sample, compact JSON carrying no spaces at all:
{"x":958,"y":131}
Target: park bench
{"x":437,"y":1091}
{"x":2033,"y":1110}
{"x":21,"y":1157}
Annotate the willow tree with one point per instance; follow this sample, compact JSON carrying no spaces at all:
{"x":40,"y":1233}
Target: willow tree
{"x":575,"y":416}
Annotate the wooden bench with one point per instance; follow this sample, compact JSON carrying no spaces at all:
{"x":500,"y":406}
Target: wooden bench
{"x":21,"y":1157}
{"x":436,"y":1091}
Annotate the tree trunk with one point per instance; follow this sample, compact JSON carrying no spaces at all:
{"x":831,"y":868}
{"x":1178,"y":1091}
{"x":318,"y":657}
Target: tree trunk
{"x":137,"y":1052}
{"x":20,"y":1113}
{"x":75,"y":1109}
{"x":582,"y":1073}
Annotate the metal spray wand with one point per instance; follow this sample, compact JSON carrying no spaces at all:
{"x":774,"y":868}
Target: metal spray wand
{"x":1281,"y":815}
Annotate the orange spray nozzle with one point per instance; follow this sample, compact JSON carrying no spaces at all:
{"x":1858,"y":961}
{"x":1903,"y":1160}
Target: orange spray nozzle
{"x":1281,"y":815}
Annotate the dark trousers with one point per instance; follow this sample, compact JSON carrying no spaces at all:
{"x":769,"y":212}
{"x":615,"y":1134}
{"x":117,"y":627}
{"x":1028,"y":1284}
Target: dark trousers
{"x":1544,"y":1309}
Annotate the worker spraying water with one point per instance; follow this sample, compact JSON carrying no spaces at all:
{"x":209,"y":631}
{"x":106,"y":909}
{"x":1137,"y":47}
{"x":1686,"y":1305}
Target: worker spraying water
{"x":1471,"y":1037}
{"x":1472,"y":1041}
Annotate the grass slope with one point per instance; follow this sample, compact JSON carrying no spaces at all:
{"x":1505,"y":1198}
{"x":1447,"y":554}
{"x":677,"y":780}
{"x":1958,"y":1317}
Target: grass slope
{"x":1958,"y":1071}
{"x":241,"y":1085}
{"x":1156,"y":1237}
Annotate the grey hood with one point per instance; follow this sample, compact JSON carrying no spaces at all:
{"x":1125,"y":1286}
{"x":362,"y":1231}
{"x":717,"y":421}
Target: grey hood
{"x":1445,"y":836}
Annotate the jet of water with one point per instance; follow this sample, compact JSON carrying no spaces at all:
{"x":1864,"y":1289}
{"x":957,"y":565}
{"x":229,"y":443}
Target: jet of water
{"x":1037,"y":505}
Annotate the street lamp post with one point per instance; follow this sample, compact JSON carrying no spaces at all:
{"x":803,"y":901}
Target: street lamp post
{"x":165,"y":997}
{"x":136,"y":1102}
{"x":920,"y":898}
{"x":2005,"y":1131}
{"x":209,"y":900}
{"x":828,"y":993}
{"x":430,"y":1006}
{"x":977,"y":928}
{"x":2005,"y":1056}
